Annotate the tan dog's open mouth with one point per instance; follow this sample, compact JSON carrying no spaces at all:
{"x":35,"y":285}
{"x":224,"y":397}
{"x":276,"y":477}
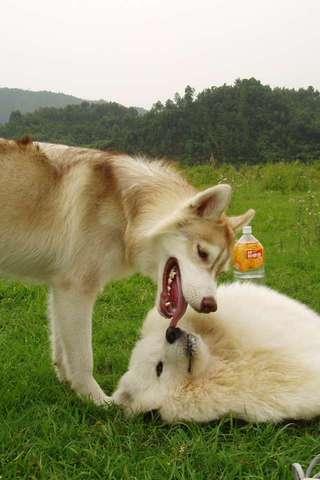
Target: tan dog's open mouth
{"x":172,"y":302}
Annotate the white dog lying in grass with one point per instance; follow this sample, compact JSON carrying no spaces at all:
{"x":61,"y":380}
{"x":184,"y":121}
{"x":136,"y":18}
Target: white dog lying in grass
{"x":256,"y":358}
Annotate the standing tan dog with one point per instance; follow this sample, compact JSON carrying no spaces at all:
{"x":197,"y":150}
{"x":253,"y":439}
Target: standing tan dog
{"x":76,"y":218}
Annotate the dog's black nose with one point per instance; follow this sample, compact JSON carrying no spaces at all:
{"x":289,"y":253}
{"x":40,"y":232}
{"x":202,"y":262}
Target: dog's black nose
{"x":172,"y":334}
{"x":208,"y":305}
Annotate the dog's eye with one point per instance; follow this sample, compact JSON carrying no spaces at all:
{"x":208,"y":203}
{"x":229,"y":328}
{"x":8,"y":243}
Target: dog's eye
{"x":202,"y":253}
{"x":159,"y":368}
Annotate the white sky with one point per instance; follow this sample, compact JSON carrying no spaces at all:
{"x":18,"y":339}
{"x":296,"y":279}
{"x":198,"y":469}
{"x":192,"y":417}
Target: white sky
{"x":138,"y":51}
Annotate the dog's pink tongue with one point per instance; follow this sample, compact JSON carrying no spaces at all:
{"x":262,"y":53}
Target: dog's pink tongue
{"x":179,"y":311}
{"x":174,"y":321}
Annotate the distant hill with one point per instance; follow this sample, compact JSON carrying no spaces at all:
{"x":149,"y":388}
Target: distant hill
{"x":12,"y":99}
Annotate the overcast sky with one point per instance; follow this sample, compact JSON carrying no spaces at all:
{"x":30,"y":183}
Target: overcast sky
{"x":138,"y":51}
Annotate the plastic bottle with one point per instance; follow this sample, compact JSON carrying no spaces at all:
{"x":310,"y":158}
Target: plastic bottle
{"x":248,"y":258}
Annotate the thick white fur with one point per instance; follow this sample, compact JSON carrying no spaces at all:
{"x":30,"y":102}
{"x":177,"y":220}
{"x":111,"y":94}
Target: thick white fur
{"x":76,"y":218}
{"x":256,"y":358}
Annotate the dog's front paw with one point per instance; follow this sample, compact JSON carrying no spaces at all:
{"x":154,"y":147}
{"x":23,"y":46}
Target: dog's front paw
{"x":89,"y":388}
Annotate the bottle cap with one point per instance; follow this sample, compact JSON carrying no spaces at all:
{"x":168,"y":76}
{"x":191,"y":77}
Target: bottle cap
{"x":247,"y":230}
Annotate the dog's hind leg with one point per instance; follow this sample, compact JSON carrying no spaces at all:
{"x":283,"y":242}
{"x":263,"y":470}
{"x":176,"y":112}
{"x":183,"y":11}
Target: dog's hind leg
{"x":72,"y":312}
{"x":58,"y":356}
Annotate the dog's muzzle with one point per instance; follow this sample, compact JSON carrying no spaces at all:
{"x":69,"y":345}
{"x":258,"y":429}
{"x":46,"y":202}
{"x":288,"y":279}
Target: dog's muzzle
{"x":208,"y":305}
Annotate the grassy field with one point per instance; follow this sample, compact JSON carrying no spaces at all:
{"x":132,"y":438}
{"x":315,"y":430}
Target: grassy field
{"x":46,"y":432}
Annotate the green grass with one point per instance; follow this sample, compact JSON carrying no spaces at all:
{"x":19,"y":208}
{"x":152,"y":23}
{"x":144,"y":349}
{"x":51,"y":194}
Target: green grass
{"x":46,"y":432}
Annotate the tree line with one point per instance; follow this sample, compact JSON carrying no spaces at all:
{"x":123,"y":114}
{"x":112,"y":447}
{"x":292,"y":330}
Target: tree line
{"x":246,"y":122}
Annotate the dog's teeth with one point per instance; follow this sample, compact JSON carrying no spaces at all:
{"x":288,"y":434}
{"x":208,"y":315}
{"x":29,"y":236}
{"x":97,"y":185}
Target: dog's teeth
{"x":167,"y":304}
{"x":173,"y":272}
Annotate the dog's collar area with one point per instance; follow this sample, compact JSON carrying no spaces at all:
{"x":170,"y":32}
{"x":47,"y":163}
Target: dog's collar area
{"x":190,"y":344}
{"x":189,"y":363}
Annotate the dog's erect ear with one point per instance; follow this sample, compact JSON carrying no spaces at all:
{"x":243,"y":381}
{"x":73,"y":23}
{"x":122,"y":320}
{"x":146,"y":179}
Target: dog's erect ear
{"x":241,"y":220}
{"x":211,"y":203}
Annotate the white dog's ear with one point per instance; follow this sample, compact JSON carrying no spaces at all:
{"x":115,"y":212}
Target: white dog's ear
{"x":122,"y":396}
{"x":241,"y":220}
{"x":211,"y":203}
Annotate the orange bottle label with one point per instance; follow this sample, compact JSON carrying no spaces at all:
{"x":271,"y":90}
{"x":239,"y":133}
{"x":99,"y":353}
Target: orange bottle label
{"x":248,"y":256}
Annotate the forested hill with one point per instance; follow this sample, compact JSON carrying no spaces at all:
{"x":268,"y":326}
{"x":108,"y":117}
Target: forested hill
{"x":28,"y":101}
{"x":246,"y":122}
